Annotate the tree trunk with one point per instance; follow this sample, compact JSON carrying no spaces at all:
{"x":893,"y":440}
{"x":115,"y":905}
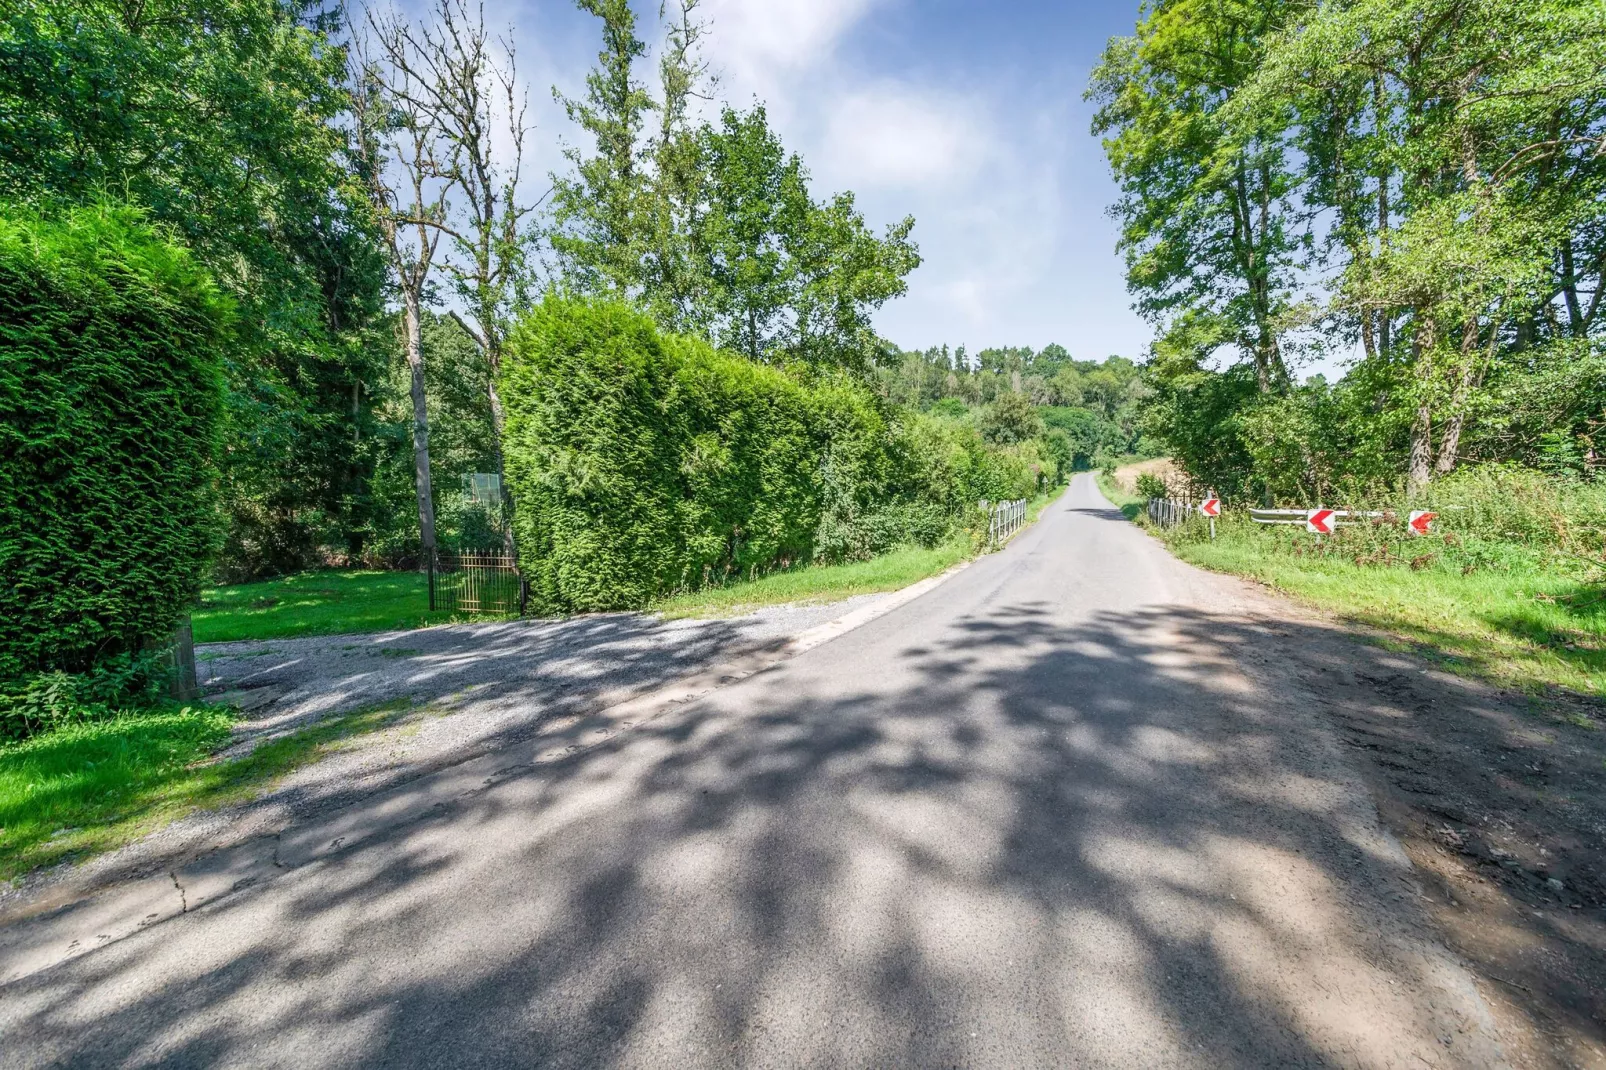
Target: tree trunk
{"x":1378,"y":103}
{"x":415,"y":362}
{"x":1569,"y":290}
{"x":498,"y":421}
{"x":1471,"y":375}
{"x":1420,"y":470}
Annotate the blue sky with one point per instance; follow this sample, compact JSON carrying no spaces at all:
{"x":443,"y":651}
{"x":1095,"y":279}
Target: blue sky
{"x":966,"y":115}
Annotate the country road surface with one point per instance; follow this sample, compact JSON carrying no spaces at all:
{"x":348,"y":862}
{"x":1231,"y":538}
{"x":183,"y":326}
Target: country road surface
{"x":1055,"y":812}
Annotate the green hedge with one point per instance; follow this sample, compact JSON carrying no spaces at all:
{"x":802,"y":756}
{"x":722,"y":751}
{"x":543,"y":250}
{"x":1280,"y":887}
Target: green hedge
{"x":110,"y":404}
{"x":642,"y":463}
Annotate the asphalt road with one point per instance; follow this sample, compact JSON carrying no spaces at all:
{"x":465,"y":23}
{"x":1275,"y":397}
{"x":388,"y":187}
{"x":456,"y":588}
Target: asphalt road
{"x":1052,"y":813}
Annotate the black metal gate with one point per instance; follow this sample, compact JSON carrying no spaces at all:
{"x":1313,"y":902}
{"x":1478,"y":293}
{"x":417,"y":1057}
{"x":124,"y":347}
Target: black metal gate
{"x":476,"y":581}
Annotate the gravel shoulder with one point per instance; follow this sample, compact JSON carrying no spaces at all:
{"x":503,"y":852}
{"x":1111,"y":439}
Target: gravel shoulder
{"x":1498,"y":799}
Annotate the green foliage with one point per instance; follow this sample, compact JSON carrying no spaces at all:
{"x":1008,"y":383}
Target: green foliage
{"x":712,"y":227}
{"x":1150,"y":485}
{"x":111,"y":404}
{"x":644,"y":463}
{"x":1011,"y":420}
{"x":222,"y":120}
{"x":1206,"y":209}
{"x":1433,"y":168}
{"x":462,"y":441}
{"x":1074,"y":411}
{"x":50,"y":701}
{"x":602,"y":223}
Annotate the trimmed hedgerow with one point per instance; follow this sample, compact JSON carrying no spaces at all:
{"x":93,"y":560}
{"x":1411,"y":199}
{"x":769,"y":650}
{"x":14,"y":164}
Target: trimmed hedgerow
{"x":644,"y":463}
{"x":110,"y":405}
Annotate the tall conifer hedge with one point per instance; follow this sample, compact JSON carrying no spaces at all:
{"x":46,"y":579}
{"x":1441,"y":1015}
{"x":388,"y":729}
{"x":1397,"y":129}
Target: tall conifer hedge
{"x":642,"y":463}
{"x":111,"y":398}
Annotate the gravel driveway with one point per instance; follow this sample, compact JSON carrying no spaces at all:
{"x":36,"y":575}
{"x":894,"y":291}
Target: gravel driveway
{"x":472,"y":687}
{"x":460,"y":690}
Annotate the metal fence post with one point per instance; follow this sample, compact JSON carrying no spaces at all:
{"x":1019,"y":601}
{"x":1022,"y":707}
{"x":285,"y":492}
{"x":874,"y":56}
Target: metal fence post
{"x":431,"y":567}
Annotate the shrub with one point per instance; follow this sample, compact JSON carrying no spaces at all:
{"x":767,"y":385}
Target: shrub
{"x":47,"y":701}
{"x":1150,"y":485}
{"x":110,"y":403}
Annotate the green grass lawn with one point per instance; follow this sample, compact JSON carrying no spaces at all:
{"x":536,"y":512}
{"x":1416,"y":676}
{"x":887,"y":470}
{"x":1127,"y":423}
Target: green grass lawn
{"x":1530,"y":629}
{"x":336,"y":603}
{"x":79,"y":791}
{"x":317,"y":603}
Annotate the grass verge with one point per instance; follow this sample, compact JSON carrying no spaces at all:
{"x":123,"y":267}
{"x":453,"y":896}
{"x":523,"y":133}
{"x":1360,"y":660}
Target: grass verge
{"x":317,"y":603}
{"x":77,"y":792}
{"x":1529,"y":628}
{"x":832,"y":583}
{"x":819,"y":583}
{"x":1130,"y":504}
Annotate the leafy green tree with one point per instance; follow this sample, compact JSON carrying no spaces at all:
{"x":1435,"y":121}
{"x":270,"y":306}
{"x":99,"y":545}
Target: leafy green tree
{"x":1207,"y":219}
{"x":790,"y":278}
{"x":1011,"y":420}
{"x":713,"y":227}
{"x":1475,"y":126}
{"x":602,"y":210}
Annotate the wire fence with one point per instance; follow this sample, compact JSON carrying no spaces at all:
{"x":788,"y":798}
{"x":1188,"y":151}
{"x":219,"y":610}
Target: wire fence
{"x":479,"y":581}
{"x":1005,"y":518}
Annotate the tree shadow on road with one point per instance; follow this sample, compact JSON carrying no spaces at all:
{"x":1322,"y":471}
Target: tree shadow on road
{"x":1031,"y":842}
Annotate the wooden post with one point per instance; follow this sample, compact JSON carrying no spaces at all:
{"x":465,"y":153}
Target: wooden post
{"x":184,"y":686}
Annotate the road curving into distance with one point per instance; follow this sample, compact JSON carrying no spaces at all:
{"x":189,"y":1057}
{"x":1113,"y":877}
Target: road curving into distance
{"x":1053,"y":812}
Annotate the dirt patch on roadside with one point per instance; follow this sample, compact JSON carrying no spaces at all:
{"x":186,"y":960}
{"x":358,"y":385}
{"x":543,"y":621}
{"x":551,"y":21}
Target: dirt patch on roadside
{"x":1500,"y":802}
{"x":1126,"y":477}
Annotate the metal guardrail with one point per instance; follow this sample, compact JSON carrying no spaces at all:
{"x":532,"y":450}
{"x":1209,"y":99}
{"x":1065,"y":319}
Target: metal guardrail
{"x":1298,"y":516}
{"x":484,"y":581}
{"x":1322,"y":520}
{"x":1004,"y":519}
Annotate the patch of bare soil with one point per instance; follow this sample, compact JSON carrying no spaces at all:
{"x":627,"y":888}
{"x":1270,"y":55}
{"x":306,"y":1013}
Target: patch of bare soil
{"x":1126,"y":477}
{"x":1500,"y":801}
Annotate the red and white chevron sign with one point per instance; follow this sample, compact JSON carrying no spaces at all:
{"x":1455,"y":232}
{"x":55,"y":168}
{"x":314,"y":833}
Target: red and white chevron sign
{"x":1210,"y":507}
{"x":1421,"y":521}
{"x":1320,"y":521}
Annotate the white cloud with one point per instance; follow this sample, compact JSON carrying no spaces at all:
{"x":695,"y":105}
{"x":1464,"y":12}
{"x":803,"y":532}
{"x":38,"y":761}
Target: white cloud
{"x":753,"y":42}
{"x":891,"y":135}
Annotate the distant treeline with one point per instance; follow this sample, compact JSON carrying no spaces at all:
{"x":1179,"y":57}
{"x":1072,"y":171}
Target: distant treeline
{"x":1096,"y":404}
